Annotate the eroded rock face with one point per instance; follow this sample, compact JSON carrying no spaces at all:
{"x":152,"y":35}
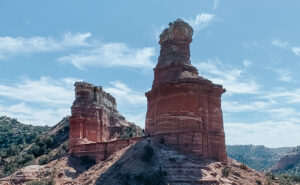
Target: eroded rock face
{"x":184,"y":109}
{"x":94,"y":116}
{"x":289,"y":162}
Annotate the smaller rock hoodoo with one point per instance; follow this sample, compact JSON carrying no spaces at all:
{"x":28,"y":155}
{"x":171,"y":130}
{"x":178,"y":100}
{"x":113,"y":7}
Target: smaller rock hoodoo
{"x":184,"y":109}
{"x":95,"y":117}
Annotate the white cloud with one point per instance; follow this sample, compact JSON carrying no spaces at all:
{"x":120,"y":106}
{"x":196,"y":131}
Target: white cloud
{"x":216,"y":4}
{"x":284,"y":75}
{"x":131,"y":104}
{"x":35,"y":116}
{"x":111,"y":55}
{"x":39,"y":102}
{"x":284,"y":96}
{"x":137,"y":118}
{"x":279,"y":43}
{"x":247,"y":63}
{"x":157,"y":31}
{"x":45,"y":91}
{"x":47,"y":101}
{"x":201,"y":21}
{"x":251,"y":44}
{"x":18,"y":45}
{"x":92,"y":53}
{"x":77,"y":39}
{"x":285,"y":45}
{"x":233,"y":79}
{"x":125,"y":94}
{"x":296,"y":50}
{"x":235,"y":106}
{"x":269,"y":133}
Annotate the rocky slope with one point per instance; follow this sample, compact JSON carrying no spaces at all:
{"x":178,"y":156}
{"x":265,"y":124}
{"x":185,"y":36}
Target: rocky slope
{"x":128,"y":166}
{"x":40,"y":145}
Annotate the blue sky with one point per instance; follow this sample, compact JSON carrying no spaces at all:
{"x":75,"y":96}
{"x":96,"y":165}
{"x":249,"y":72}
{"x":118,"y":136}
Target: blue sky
{"x":251,"y":47}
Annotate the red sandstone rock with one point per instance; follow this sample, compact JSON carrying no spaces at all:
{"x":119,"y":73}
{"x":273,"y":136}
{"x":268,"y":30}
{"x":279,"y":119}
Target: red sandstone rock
{"x":94,"y":119}
{"x":184,"y":109}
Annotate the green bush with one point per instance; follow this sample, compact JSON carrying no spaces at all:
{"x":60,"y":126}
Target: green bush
{"x":26,"y":158}
{"x":243,"y":166}
{"x":155,"y":178}
{"x":87,"y":161}
{"x":226,"y":171}
{"x":10,"y":167}
{"x":148,"y":153}
{"x":41,"y":146}
{"x":13,"y":150}
{"x":45,"y":159}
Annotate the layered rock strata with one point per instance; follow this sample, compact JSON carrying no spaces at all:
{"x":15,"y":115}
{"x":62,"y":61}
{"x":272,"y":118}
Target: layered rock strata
{"x":184,"y":109}
{"x":95,"y":118}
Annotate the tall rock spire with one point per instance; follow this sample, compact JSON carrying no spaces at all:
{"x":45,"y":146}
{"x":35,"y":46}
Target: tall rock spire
{"x":184,"y":109}
{"x":175,"y":44}
{"x":175,"y":54}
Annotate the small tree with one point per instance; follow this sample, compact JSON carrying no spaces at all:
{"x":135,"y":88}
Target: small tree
{"x":13,"y":150}
{"x":226,"y":171}
{"x":148,"y":153}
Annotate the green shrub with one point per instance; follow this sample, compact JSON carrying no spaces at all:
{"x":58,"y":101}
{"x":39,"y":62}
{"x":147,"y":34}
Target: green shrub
{"x":26,"y":158}
{"x":285,"y":180}
{"x":270,"y":175}
{"x":296,"y":178}
{"x":155,"y":178}
{"x":226,"y":171}
{"x":10,"y":167}
{"x":41,"y":146}
{"x":243,"y":166}
{"x":148,"y":153}
{"x":46,"y":158}
{"x":87,"y":161}
{"x":258,"y":182}
{"x":13,"y":150}
{"x":125,"y":178}
{"x":36,"y":150}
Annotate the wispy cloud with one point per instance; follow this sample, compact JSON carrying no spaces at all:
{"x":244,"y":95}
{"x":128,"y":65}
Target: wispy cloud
{"x":269,"y":133}
{"x":296,"y":50}
{"x":251,"y":44}
{"x":201,"y":21}
{"x":28,"y":114}
{"x":286,"y":45}
{"x":157,"y":31}
{"x":39,"y":102}
{"x":284,"y":75}
{"x":216,"y":4}
{"x":10,"y":46}
{"x":45,"y":90}
{"x":290,"y":96}
{"x":279,"y":43}
{"x":90,"y":53}
{"x":247,"y":63}
{"x":123,"y":93}
{"x":233,"y":79}
{"x":111,"y":55}
{"x":236,"y":106}
{"x":130,"y":102}
{"x":46,"y":100}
